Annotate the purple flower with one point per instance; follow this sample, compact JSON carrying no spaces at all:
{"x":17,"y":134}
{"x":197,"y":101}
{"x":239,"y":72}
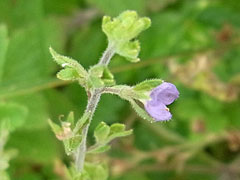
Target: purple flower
{"x":161,"y":96}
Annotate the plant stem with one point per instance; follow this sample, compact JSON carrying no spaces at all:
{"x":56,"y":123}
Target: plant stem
{"x":107,"y":55}
{"x":81,"y":151}
{"x":91,"y":107}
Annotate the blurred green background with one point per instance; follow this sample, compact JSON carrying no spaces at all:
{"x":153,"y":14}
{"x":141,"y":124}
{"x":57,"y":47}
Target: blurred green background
{"x":192,"y":43}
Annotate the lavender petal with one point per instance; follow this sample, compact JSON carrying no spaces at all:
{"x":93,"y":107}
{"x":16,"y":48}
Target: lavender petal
{"x":158,"y":111}
{"x":165,"y":93}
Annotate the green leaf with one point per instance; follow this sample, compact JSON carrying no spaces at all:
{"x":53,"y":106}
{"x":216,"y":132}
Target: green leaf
{"x":140,"y":111}
{"x":3,"y":47}
{"x":116,"y":132}
{"x":107,"y":134}
{"x":96,"y":171}
{"x":130,"y":51}
{"x":101,"y":132}
{"x":71,"y":144}
{"x":116,"y":128}
{"x":91,"y":171}
{"x":13,"y":114}
{"x":55,"y":127}
{"x":68,"y":62}
{"x":99,"y":149}
{"x":148,"y":85}
{"x":68,"y":74}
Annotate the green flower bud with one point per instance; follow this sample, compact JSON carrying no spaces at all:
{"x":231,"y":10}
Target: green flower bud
{"x":122,"y":30}
{"x":100,"y":76}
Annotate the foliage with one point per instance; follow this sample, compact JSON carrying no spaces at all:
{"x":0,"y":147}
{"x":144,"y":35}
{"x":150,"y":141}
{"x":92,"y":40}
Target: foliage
{"x":194,"y":44}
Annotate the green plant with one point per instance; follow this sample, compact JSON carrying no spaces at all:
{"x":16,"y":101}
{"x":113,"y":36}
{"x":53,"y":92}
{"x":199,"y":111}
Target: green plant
{"x":121,"y":33}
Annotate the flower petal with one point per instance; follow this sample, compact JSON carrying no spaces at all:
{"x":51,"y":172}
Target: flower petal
{"x":165,"y":93}
{"x":158,"y":111}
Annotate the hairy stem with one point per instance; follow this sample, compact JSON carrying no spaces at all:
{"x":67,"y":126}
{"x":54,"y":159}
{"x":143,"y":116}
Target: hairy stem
{"x":91,"y":107}
{"x":107,"y":55}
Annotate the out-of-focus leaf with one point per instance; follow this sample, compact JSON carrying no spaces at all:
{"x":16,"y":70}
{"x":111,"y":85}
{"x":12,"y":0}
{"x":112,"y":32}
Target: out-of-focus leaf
{"x":233,"y":114}
{"x":212,"y":125}
{"x":100,"y":149}
{"x":62,"y":104}
{"x":118,"y":130}
{"x":28,"y":58}
{"x":36,"y":105}
{"x":96,"y":171}
{"x":82,"y":45}
{"x":228,"y":65}
{"x":172,"y":33}
{"x":91,"y":171}
{"x":61,"y":6}
{"x":218,"y":14}
{"x":17,"y":14}
{"x":115,"y":7}
{"x":132,"y":175}
{"x":3,"y":47}
{"x":35,"y":145}
{"x":187,"y":108}
{"x":146,"y":138}
{"x":13,"y":114}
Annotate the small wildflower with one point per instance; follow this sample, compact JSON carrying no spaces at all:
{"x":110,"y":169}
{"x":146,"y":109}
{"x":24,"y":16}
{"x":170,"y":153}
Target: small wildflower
{"x":162,"y":95}
{"x":66,"y":132}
